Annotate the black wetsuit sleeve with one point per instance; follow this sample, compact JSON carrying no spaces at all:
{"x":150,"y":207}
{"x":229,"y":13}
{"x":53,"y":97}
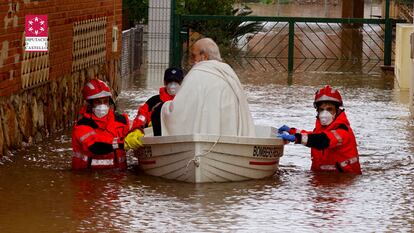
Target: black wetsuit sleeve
{"x":318,"y":140}
{"x":120,"y":118}
{"x":100,"y":148}
{"x":153,"y":101}
{"x":156,"y":120}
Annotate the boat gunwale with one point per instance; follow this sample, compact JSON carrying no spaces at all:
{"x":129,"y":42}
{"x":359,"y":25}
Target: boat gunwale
{"x":204,"y":138}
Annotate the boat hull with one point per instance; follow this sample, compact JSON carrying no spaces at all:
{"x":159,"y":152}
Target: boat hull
{"x":210,"y":158}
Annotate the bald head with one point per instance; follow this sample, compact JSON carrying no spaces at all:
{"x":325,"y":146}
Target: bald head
{"x":205,"y":49}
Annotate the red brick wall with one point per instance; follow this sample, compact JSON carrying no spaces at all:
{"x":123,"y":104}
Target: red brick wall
{"x":61,"y":16}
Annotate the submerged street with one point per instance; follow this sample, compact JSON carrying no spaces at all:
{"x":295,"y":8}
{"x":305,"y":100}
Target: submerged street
{"x":349,"y":45}
{"x":40,"y":193}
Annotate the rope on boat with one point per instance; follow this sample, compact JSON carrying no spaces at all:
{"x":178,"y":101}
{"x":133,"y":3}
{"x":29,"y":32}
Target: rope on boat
{"x":196,"y":159}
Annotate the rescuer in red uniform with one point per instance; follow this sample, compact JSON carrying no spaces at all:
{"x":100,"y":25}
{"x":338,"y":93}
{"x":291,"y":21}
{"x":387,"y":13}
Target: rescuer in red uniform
{"x":332,"y":142}
{"x":98,"y":135}
{"x":149,"y":112}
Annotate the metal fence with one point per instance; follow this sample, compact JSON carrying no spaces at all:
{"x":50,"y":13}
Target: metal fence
{"x":301,"y":44}
{"x":132,"y":50}
{"x":405,"y":9}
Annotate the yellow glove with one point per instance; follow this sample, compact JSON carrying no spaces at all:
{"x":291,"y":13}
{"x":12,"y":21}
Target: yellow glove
{"x":133,"y":140}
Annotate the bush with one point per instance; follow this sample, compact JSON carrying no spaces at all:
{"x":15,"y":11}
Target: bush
{"x":224,"y":33}
{"x":136,"y":10}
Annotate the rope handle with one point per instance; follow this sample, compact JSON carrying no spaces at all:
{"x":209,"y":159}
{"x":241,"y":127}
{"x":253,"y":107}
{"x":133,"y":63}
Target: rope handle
{"x":196,"y":159}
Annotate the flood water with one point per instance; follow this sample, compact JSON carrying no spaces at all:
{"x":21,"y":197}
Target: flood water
{"x":39,"y":192}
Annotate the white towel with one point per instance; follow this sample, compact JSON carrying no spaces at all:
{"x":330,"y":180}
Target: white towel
{"x":211,"y":101}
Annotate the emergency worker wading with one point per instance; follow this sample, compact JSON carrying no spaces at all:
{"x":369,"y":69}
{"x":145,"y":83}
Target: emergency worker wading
{"x":149,"y":112}
{"x":332,"y":142}
{"x":97,"y":138}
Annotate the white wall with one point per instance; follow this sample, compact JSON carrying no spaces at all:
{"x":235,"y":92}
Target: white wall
{"x":403,"y":67}
{"x":412,"y":76}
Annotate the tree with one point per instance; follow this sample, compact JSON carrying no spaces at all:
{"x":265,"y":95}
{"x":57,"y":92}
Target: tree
{"x":225,"y":33}
{"x":206,"y":7}
{"x":136,"y":11}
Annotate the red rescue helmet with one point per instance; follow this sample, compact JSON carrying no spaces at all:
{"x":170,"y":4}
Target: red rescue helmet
{"x":95,"y":89}
{"x":327,"y":94}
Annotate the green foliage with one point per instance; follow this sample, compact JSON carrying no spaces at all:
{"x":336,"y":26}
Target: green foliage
{"x":206,"y":7}
{"x":225,"y":33}
{"x":259,"y":1}
{"x":267,"y":1}
{"x":137,"y":10}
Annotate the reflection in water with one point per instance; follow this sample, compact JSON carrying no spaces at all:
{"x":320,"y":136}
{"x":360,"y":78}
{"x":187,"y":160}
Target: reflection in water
{"x":95,"y":198}
{"x":38,"y":191}
{"x":330,"y":201}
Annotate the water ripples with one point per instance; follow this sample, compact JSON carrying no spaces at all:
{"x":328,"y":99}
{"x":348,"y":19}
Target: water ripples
{"x":295,"y":199}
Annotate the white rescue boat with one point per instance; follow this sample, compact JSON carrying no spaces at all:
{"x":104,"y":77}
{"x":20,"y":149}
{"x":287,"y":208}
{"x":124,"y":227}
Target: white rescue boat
{"x":211,"y":158}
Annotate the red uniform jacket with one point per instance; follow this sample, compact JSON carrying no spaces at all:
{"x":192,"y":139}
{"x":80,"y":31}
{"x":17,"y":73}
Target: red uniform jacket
{"x":98,"y":142}
{"x":333,"y":147}
{"x":150,"y":112}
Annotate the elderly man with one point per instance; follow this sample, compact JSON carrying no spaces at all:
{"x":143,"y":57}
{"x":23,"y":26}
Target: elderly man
{"x":211,"y":99}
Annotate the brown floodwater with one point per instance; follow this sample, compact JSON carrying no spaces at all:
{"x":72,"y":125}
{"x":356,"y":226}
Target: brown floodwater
{"x":40,"y":193}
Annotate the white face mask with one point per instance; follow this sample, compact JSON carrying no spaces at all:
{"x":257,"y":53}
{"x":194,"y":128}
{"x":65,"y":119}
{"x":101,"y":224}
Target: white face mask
{"x":101,"y":110}
{"x":326,"y":118}
{"x":172,"y":88}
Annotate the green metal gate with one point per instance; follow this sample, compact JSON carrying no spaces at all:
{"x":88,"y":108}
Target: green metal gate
{"x":301,"y":44}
